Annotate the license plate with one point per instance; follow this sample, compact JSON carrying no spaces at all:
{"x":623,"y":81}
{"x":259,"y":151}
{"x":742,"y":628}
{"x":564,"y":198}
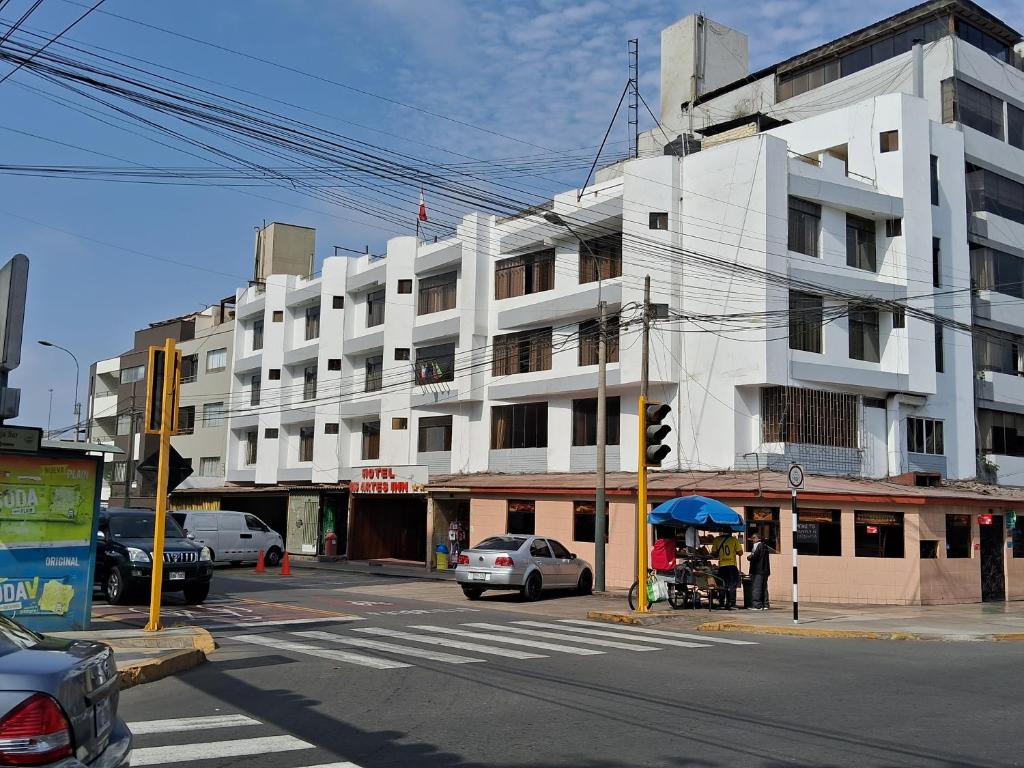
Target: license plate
{"x":478,"y":576}
{"x":104,"y":717}
{"x":177,"y":576}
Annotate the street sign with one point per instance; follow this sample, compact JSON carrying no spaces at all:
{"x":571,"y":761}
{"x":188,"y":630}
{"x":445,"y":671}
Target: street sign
{"x":796,"y":476}
{"x":20,"y":439}
{"x":13,"y":289}
{"x":178,"y":470}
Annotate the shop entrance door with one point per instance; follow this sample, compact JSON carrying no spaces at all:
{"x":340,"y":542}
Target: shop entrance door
{"x":993,"y":576}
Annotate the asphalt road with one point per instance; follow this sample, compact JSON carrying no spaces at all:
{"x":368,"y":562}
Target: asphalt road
{"x":303,"y":680}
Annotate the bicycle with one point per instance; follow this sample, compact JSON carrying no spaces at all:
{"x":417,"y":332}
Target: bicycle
{"x":679,"y":595}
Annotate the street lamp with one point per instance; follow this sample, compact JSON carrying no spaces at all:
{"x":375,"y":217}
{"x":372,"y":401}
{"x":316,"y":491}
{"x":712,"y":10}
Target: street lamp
{"x":600,"y":506}
{"x":78,"y":405}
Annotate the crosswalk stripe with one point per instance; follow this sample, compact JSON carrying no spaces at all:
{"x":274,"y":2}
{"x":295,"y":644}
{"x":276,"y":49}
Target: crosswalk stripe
{"x":178,"y":724}
{"x":663,"y":633}
{"x":400,"y":650}
{"x":563,"y":636}
{"x":186,"y":753}
{"x":510,"y":640}
{"x":611,"y":634}
{"x":508,"y":653}
{"x":323,"y":653}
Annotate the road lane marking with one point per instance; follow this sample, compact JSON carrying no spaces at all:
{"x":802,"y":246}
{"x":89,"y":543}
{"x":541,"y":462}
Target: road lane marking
{"x":613,"y":635}
{"x":187,"y":753}
{"x":563,"y":636}
{"x":663,"y":633}
{"x":449,"y":643}
{"x":510,"y":640}
{"x":178,"y":724}
{"x":284,"y":623}
{"x":400,"y":650}
{"x":323,"y":653}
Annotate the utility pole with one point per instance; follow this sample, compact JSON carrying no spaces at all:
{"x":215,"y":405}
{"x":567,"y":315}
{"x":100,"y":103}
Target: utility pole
{"x":600,"y":504}
{"x":641,"y":479}
{"x":129,"y":468}
{"x":796,"y":482}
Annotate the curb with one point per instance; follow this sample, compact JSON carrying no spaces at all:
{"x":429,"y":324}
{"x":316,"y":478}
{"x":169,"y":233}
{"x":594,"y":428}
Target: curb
{"x":616,"y":617}
{"x":852,"y":634}
{"x":156,"y":669}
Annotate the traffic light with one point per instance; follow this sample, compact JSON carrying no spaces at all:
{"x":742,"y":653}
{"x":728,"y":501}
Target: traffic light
{"x":655,"y":433}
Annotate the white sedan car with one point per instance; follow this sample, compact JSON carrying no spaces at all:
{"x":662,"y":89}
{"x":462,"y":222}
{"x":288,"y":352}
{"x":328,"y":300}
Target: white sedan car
{"x":529,"y":564}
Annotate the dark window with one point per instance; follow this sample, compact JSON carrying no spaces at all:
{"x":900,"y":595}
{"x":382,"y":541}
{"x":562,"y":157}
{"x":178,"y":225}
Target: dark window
{"x":401,"y":353}
{"x":274,"y":374}
{"x":860,"y":243}
{"x":437,"y":293}
{"x":277,"y":316}
{"x":940,"y":353}
{"x":889,"y":141}
{"x":313,"y":322}
{"x":934,"y":174}
{"x":818,"y":532}
{"x":334,"y":364}
{"x":764,"y":521}
{"x":519,"y":426}
{"x":990,"y":45}
{"x":874,"y":402}
{"x":257,"y":335}
{"x":331,"y":428}
{"x":309,"y":383}
{"x":371,"y":440}
{"x":993,"y":270}
{"x":958,"y":536}
{"x":1015,"y":126}
{"x":435,"y":364}
{"x":255,"y":389}
{"x":601,"y":258}
{"x":583,"y":515}
{"x":893,"y":227}
{"x":988,"y":191}
{"x":399,"y":422}
{"x":523,"y":352}
{"x":186,"y":420}
{"x":375,"y":308}
{"x":972,"y":106}
{"x":1001,"y":353}
{"x":270,"y":433}
{"x":899,"y":318}
{"x":374,"y":374}
{"x":251,"y":447}
{"x":929,"y":549}
{"x":338,"y":302}
{"x":810,"y":416}
{"x":793,"y":84}
{"x":590,"y":338}
{"x":189,"y":368}
{"x":864,"y":338}
{"x":936,"y":262}
{"x":435,"y":434}
{"x":584,"y":421}
{"x":925,"y":436}
{"x":1001,"y":432}
{"x":805,"y":321}
{"x":878,"y":534}
{"x":305,"y":443}
{"x":521,"y":518}
{"x":523,"y":275}
{"x":804,"y":226}
{"x":657,"y":220}
{"x":405,"y":286}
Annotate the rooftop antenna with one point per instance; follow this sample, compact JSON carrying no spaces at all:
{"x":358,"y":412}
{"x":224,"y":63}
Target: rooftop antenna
{"x":634,"y":98}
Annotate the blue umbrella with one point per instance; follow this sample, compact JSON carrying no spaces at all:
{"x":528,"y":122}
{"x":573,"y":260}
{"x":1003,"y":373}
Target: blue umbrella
{"x":698,"y":511}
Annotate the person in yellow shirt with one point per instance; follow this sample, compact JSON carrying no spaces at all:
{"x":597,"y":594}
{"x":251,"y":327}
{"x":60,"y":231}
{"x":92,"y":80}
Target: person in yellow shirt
{"x":728,"y":550}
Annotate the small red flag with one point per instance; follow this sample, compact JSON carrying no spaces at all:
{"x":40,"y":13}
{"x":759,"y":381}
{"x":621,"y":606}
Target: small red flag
{"x":423,"y":208}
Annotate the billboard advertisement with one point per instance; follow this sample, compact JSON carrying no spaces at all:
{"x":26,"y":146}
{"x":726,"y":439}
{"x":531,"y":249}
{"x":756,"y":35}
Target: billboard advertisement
{"x":48,"y":507}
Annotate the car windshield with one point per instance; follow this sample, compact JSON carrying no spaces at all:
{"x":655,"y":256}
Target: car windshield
{"x":501,"y":544}
{"x":13,"y":636}
{"x":140,"y":526}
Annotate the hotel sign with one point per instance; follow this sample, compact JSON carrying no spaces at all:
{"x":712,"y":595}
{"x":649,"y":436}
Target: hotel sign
{"x":393,"y":480}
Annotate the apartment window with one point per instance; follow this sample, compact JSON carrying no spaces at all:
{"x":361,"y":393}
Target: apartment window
{"x":893,"y":227}
{"x":590,"y":336}
{"x":934,"y":178}
{"x":309,"y":383}
{"x":584,"y":421}
{"x":338,"y":302}
{"x":794,"y":83}
{"x":929,"y":549}
{"x":334,"y":364}
{"x":401,"y":353}
{"x":860,"y":243}
{"x":523,"y":275}
{"x":763,"y":521}
{"x":521,"y":517}
{"x":818,"y":532}
{"x":899,"y":318}
{"x":255,"y":389}
{"x":375,"y":308}
{"x":936,"y":262}
{"x":313,"y":322}
{"x":864,"y":337}
{"x":257,"y":335}
{"x":810,"y":416}
{"x":985,"y":42}
{"x":371,"y":440}
{"x":270,"y":433}
{"x":305,"y":444}
{"x":399,"y":422}
{"x":216,"y":360}
{"x":583,"y":516}
{"x":124,"y":424}
{"x":524,"y":352}
{"x":133,"y":374}
{"x":925,"y":436}
{"x":523,"y":425}
{"x":374,"y":374}
{"x":988,"y":191}
{"x":657,"y":220}
{"x":120,"y":471}
{"x":435,"y":434}
{"x":331,"y":427}
{"x":1015,"y":126}
{"x":277,"y":316}
{"x":806,"y":315}
{"x":804,"y":226}
{"x":436,"y":293}
{"x":963,"y":103}
{"x":888,"y":141}
{"x":1001,"y":432}
{"x":940,"y":354}
{"x":878,"y":534}
{"x":213,"y":414}
{"x":186,"y":420}
{"x":1000,"y":353}
{"x":210,"y":466}
{"x":601,"y":258}
{"x":958,"y":536}
{"x":189,"y":368}
{"x":274,"y":374}
{"x":435,"y":364}
{"x":993,"y":270}
{"x":405,"y":286}
{"x":251,"y":447}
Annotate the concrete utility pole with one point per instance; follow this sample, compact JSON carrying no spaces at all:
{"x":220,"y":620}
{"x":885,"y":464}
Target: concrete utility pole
{"x":129,"y":468}
{"x":641,"y":477}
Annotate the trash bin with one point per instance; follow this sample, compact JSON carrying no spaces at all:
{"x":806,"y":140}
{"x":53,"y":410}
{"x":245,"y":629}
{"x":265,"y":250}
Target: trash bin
{"x":748,"y":592}
{"x":441,"y":557}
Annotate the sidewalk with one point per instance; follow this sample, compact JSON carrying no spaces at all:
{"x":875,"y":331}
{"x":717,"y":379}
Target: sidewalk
{"x":143,"y":657}
{"x":372,"y":568}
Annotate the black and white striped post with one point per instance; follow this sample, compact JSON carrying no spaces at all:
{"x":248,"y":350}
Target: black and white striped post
{"x":796,"y":481}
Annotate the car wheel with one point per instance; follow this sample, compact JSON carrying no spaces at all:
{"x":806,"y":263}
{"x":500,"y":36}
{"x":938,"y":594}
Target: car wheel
{"x":532,"y":588}
{"x":196,"y":594}
{"x":273,"y":557}
{"x":472,"y":593}
{"x":116,"y":587}
{"x":585,"y":586}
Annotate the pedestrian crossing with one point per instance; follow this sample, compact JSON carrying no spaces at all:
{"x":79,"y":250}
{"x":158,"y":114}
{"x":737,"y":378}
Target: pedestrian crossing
{"x":475,"y":642}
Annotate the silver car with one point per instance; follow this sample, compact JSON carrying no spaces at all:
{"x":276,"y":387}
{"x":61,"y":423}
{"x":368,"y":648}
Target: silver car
{"x":529,"y":564}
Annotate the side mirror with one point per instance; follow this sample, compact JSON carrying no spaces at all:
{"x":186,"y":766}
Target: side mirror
{"x":191,"y":536}
{"x":572,"y":555}
{"x":100,"y":535}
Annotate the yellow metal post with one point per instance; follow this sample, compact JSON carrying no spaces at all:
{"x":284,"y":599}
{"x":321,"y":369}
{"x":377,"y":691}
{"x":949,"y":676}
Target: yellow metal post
{"x":641,"y":513}
{"x":168,"y":397}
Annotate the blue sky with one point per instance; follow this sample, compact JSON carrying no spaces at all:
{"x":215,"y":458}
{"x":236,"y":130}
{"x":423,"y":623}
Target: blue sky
{"x":107,"y":258}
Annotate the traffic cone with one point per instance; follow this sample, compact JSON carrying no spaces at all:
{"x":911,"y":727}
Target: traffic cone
{"x":286,"y":569}
{"x":260,"y":566}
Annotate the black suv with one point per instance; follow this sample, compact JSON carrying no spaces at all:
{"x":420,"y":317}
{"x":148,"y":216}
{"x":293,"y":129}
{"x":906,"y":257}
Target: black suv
{"x":124,"y":557}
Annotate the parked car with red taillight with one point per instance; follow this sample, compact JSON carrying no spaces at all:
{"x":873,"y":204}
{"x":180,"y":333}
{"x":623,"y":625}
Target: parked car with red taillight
{"x":529,"y":564}
{"x":58,"y":702}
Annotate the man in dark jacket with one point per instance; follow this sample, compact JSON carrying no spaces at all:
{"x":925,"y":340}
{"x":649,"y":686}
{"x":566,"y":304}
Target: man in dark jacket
{"x":760,"y":569}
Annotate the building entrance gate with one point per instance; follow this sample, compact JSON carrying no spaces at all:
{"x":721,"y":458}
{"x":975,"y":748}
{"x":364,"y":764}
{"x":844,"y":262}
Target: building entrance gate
{"x":993,"y":575}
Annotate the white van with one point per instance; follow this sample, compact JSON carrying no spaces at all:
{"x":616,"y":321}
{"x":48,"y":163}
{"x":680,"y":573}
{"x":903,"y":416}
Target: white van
{"x":234,"y":537}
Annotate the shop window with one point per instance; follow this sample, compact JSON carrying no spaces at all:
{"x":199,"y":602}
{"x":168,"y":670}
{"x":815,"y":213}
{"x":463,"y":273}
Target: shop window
{"x":818,"y":532}
{"x":764,"y":521}
{"x":371,"y":440}
{"x":888,"y":141}
{"x":583,"y":516}
{"x":657,"y":220}
{"x":405,"y":286}
{"x":521,"y":517}
{"x":958,"y":536}
{"x":584,"y":421}
{"x":330,"y":428}
{"x":929,"y":549}
{"x":878,"y":534}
